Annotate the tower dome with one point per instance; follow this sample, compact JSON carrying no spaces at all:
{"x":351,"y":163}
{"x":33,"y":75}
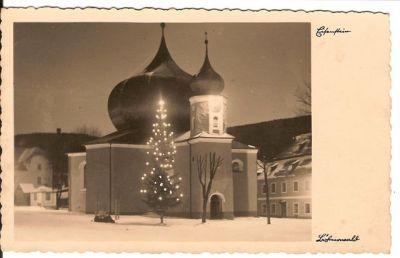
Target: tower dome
{"x":207,"y":81}
{"x":132,"y":101}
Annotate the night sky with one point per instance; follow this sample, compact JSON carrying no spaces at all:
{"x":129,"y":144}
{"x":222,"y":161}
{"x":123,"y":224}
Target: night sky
{"x":64,"y":72}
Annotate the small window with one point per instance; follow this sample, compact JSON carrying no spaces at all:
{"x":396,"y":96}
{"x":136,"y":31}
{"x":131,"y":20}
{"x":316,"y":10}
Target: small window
{"x":295,"y":208}
{"x":264,"y":209}
{"x":48,"y":196}
{"x":39,"y":166}
{"x":215,"y":122}
{"x":273,"y":188}
{"x":295,"y":186}
{"x":264,"y":188}
{"x":39,"y":180}
{"x":307,"y":185}
{"x":35,"y":196}
{"x":307,"y":208}
{"x":273,"y":209}
{"x":283,"y":187}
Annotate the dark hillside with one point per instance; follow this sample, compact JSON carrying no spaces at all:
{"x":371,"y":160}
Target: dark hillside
{"x":272,"y":137}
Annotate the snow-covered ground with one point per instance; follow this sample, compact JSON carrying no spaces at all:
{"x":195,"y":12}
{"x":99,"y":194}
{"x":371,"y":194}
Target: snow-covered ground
{"x":38,"y":224}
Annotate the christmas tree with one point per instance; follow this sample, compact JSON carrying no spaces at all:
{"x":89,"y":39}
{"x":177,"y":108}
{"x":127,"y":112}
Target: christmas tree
{"x":160,"y":188}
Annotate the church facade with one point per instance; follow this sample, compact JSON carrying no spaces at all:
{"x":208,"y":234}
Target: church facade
{"x":107,"y":177}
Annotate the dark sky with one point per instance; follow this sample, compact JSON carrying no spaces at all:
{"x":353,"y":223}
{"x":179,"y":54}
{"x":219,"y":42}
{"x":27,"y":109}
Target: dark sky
{"x":64,"y":72}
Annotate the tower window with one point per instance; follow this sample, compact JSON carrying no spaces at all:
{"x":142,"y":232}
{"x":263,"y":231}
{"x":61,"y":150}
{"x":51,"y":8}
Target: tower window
{"x":215,"y":121}
{"x":237,"y":166}
{"x":39,"y":180}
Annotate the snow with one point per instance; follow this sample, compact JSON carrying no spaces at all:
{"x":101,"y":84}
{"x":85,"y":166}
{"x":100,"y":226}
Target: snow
{"x":60,"y":225}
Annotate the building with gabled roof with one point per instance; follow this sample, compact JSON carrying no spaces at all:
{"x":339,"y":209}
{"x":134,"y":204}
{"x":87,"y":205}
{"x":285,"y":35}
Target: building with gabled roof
{"x":289,"y":181}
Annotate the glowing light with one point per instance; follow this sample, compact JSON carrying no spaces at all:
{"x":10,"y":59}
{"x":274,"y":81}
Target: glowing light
{"x":181,"y":195}
{"x":161,"y":102}
{"x":160,"y":198}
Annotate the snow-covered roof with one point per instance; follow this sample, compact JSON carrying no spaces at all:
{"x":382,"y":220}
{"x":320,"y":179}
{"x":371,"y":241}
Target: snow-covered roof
{"x":301,"y":146}
{"x":186,"y":136}
{"x":42,"y":189}
{"x":27,"y":154}
{"x":286,"y":167}
{"x":26,"y":188}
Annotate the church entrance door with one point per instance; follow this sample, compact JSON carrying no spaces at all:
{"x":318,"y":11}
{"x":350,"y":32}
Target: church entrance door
{"x":216,"y":207}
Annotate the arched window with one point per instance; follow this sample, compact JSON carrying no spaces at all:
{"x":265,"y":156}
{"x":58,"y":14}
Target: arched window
{"x":237,"y":166}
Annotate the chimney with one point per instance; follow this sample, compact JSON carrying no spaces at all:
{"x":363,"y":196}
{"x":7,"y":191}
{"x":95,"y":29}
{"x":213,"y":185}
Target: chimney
{"x":58,"y":130}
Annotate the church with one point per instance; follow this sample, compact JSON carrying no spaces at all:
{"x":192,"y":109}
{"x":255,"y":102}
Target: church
{"x":107,"y":176}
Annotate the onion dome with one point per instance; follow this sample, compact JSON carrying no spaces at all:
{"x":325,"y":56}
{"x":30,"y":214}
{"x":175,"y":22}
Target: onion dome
{"x":207,"y":81}
{"x":132,"y":102}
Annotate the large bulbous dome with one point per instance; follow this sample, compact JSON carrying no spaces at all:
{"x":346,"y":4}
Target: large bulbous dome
{"x":132,"y":103}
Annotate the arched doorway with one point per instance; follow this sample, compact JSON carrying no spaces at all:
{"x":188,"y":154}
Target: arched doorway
{"x":216,"y":207}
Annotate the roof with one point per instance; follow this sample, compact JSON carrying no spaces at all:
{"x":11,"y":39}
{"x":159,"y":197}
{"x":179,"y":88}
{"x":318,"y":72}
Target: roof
{"x":28,"y":153}
{"x":239,"y":145}
{"x":26,"y":188}
{"x":283,"y":168}
{"x":207,"y":80}
{"x":186,"y":136}
{"x":128,"y":136}
{"x":302,"y":146}
{"x":163,"y":64}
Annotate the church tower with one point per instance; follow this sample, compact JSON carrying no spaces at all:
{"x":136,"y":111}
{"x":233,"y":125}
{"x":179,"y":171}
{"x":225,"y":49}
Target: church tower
{"x":207,"y":106}
{"x":208,"y":137}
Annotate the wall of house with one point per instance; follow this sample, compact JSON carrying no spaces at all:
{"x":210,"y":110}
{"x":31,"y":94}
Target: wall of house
{"x":21,"y":198}
{"x":76,"y":174}
{"x":38,"y":172}
{"x":245,"y":183}
{"x":288,"y":197}
{"x":43,"y":199}
{"x":223,"y":182}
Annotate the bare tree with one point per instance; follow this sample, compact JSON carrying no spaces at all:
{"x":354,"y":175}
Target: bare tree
{"x":264,"y":164}
{"x":89,"y":130}
{"x":303,"y":96}
{"x":204,"y":164}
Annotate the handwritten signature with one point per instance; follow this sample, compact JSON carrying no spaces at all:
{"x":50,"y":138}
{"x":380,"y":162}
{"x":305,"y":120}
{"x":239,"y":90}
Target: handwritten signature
{"x":329,"y":238}
{"x":322,"y":31}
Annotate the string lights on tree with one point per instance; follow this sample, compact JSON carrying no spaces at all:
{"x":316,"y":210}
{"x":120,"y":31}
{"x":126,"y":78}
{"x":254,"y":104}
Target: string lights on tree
{"x":160,"y":188}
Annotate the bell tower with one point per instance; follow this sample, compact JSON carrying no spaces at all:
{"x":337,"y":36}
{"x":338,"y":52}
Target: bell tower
{"x":208,"y":138}
{"x":207,"y":106}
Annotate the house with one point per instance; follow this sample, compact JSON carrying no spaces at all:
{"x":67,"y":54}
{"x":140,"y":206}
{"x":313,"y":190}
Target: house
{"x":32,"y":169}
{"x":36,"y":156}
{"x":289,"y":182}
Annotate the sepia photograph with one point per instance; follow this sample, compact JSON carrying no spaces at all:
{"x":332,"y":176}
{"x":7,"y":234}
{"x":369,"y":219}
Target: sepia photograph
{"x":193,"y":130}
{"x":162,"y":131}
